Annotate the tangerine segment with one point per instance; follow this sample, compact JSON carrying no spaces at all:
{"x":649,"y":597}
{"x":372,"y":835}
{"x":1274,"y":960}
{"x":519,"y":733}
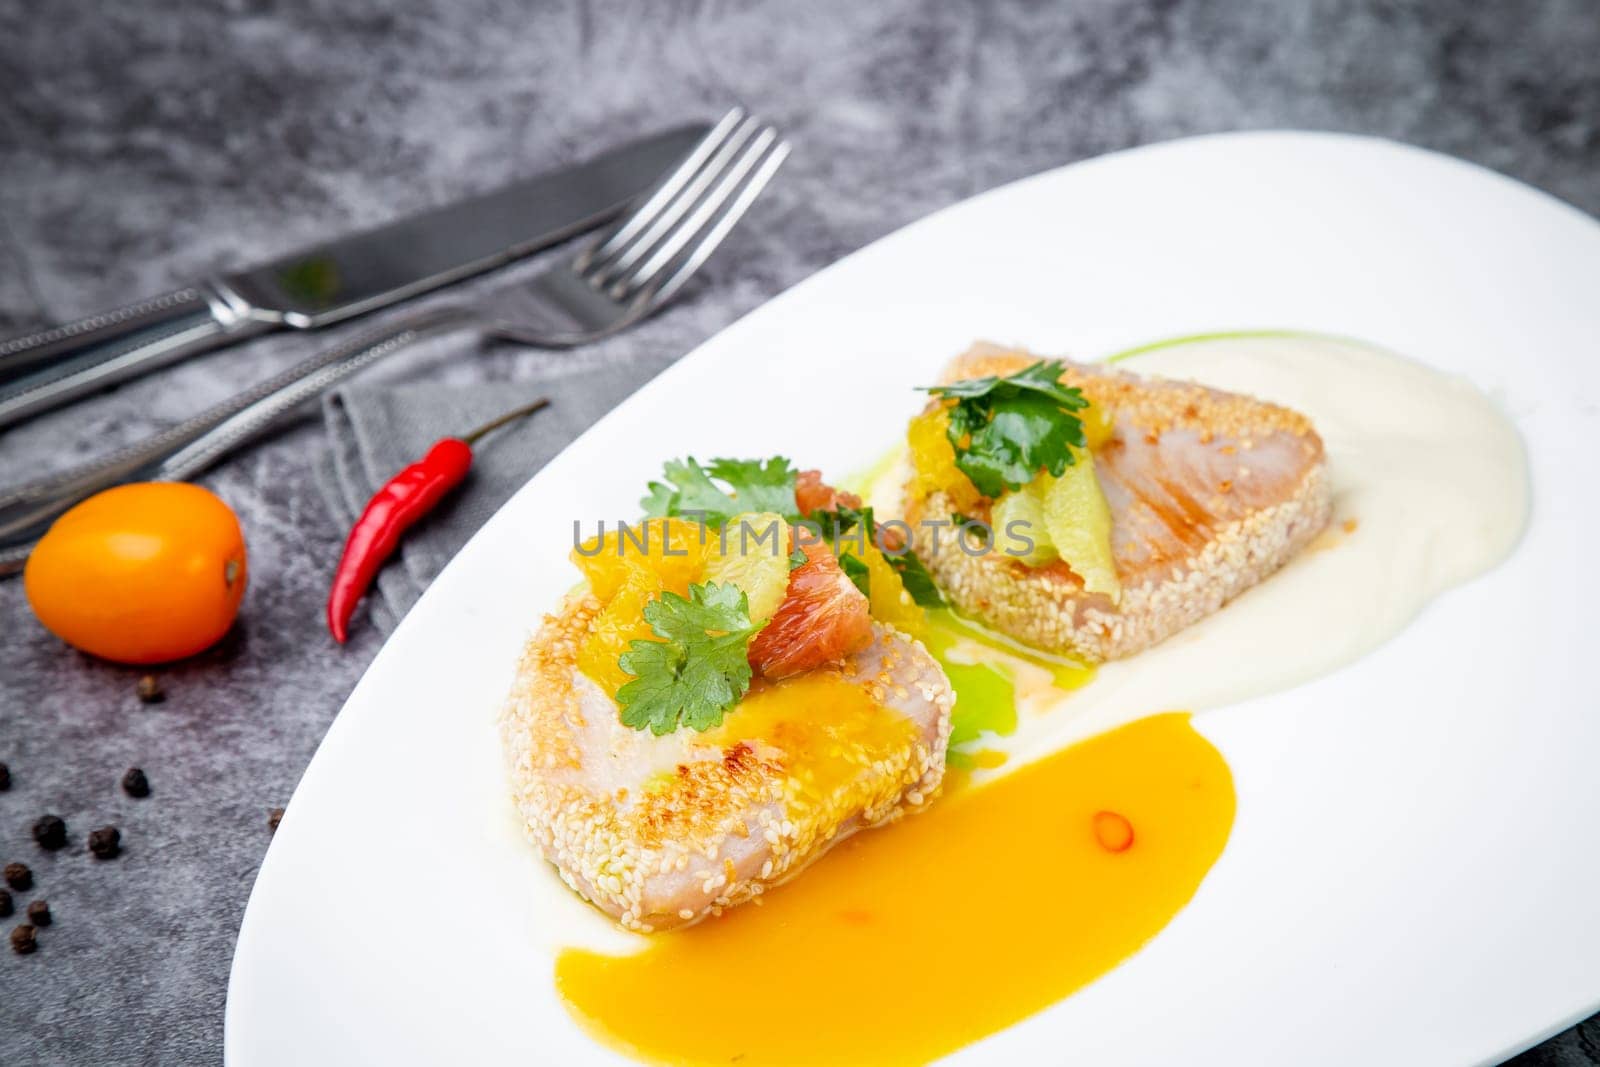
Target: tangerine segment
{"x":618,"y":624}
{"x":887,"y":598}
{"x":933,"y":462}
{"x":1099,"y":423}
{"x":674,"y":550}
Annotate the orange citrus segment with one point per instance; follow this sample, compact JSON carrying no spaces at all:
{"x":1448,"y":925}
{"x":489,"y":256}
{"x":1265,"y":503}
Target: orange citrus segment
{"x":1097,"y":423}
{"x":887,"y":598}
{"x":671,"y":549}
{"x":933,"y":461}
{"x":621,"y":621}
{"x":626,"y":569}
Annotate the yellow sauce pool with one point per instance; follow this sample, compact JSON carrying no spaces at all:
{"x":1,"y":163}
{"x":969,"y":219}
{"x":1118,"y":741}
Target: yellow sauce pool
{"x":906,"y":943}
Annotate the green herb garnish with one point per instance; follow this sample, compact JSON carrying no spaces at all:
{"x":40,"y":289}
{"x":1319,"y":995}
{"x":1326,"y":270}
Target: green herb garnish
{"x":698,"y":669}
{"x":839,"y":521}
{"x":915,"y":577}
{"x":855,"y":569}
{"x":694,"y":491}
{"x":913,"y":572}
{"x":1005,"y":430}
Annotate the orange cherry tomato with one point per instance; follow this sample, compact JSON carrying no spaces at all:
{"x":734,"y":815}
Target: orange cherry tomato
{"x":142,"y":573}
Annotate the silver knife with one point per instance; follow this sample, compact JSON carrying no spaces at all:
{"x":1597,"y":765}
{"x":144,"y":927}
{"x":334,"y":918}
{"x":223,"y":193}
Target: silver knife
{"x":334,"y":281}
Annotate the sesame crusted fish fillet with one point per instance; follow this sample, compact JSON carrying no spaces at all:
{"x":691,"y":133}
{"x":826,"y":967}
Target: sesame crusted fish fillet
{"x":1209,"y":492}
{"x":661,"y":831}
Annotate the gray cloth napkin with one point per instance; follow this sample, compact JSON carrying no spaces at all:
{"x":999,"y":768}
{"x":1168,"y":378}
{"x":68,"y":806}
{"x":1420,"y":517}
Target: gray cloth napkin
{"x":376,"y":430}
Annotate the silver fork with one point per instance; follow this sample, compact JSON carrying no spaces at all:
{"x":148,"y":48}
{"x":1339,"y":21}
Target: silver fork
{"x":622,"y":277}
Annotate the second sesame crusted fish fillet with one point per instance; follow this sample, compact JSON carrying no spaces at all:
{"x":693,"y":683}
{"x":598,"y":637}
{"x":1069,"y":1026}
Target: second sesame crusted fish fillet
{"x":659,"y":831}
{"x":1209,"y":492}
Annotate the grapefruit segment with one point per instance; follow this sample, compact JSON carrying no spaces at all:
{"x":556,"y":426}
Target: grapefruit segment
{"x":822,"y":619}
{"x":812,"y":494}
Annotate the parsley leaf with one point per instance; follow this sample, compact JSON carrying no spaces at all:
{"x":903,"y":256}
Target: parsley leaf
{"x":855,"y":569}
{"x":698,"y":669}
{"x":1004,"y":430}
{"x":915,"y":577}
{"x":839,"y":521}
{"x":760,"y":484}
{"x":722,"y":489}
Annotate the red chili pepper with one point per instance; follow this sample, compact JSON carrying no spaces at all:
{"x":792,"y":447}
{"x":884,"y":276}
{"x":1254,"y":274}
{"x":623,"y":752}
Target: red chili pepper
{"x":403,"y":500}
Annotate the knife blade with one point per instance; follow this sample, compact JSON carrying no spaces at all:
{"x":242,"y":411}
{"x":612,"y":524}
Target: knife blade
{"x":332,"y":281}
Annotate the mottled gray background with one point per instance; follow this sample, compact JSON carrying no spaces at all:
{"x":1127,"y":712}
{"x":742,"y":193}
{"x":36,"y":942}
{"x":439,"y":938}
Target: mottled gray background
{"x":143,"y":144}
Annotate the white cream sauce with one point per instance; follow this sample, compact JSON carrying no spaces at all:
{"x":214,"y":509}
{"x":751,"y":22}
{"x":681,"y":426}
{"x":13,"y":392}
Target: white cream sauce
{"x":1430,"y":489}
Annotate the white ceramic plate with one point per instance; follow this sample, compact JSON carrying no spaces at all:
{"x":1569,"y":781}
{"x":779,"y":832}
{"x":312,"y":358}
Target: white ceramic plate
{"x":1411,"y":876}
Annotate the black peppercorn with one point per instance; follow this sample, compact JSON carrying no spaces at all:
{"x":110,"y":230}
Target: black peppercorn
{"x":105,"y":842}
{"x":39,"y":912}
{"x":135,"y":784}
{"x":274,"y":817}
{"x":18,"y":877}
{"x":6,"y":907}
{"x":5,"y":777}
{"x":149,"y":690}
{"x":50,"y":831}
{"x":22,"y":941}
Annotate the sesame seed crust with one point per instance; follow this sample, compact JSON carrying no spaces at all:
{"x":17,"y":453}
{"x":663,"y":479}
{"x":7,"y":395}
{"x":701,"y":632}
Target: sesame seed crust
{"x":659,"y":832}
{"x":1210,"y":492}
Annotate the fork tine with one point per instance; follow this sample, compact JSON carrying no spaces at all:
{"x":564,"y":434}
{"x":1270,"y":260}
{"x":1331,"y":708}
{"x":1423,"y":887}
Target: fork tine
{"x":708,"y":213}
{"x":696,"y":254}
{"x":603,"y":272}
{"x":629,"y":227}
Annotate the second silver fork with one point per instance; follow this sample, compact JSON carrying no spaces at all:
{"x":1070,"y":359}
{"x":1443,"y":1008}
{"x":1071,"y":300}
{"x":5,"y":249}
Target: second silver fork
{"x":618,"y":280}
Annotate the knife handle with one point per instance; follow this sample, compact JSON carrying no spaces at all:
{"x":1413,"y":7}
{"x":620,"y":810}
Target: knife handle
{"x":183,"y":451}
{"x":46,"y":369}
{"x":22,"y":353}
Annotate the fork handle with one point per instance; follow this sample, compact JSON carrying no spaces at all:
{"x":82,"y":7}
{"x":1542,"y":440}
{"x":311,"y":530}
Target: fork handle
{"x":183,"y":451}
{"x":49,"y":368}
{"x":18,"y":354}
